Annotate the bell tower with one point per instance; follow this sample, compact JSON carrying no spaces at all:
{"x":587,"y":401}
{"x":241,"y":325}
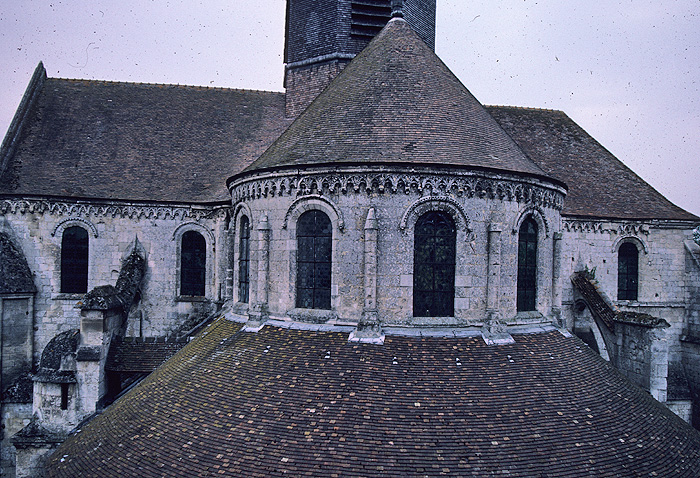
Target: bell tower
{"x":322,"y":36}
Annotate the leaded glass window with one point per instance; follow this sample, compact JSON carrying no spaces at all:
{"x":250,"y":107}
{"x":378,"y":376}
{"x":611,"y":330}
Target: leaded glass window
{"x":193,"y":264}
{"x":74,"y":260}
{"x":527,"y":266}
{"x":314,"y":244}
{"x":627,"y":272}
{"x":434,"y":265}
{"x":244,"y":260}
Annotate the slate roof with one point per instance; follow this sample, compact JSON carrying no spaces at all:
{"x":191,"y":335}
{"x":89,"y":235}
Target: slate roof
{"x":127,"y":141}
{"x":600,"y":185}
{"x":309,"y":403}
{"x":128,"y":354}
{"x":396,"y":102}
{"x":15,"y":276}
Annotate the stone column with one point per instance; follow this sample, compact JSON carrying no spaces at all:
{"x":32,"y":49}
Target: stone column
{"x":493,"y":275}
{"x":369,"y":329}
{"x":258,"y":312}
{"x":369,"y":313}
{"x":556,"y":278}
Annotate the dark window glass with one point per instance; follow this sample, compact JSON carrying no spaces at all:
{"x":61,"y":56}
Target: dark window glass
{"x":434,"y":253}
{"x":527,"y":265}
{"x":193,"y":264}
{"x":244,"y":261}
{"x":74,"y":260}
{"x":314,"y":244}
{"x":64,"y":396}
{"x":627,"y":272}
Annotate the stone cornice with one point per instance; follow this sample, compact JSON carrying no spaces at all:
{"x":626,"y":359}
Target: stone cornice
{"x":103,"y":209}
{"x":400,"y":181}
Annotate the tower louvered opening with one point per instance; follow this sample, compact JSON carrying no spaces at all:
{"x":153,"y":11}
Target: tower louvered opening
{"x":369,"y":17}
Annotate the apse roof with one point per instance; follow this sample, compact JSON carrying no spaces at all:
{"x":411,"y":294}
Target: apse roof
{"x":396,"y":102}
{"x":310,"y":403}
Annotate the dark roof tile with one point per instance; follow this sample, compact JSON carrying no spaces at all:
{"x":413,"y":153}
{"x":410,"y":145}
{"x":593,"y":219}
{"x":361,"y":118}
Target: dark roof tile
{"x":600,"y":185}
{"x":396,"y":102}
{"x":306,"y":403}
{"x":106,"y":140}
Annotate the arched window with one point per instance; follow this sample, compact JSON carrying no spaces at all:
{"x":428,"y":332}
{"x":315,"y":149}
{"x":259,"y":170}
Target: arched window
{"x":74,"y":260}
{"x":627,"y":271}
{"x":527,"y":265}
{"x":434,"y":253}
{"x":244,"y":260}
{"x":193,"y":264}
{"x":314,"y":244}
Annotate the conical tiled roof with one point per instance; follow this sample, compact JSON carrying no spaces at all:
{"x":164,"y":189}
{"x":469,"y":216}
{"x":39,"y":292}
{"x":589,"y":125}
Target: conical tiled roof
{"x":396,"y":102}
{"x":286,"y":402}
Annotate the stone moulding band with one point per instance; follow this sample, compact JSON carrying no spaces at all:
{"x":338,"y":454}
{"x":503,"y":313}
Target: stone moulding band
{"x":130,"y":211}
{"x":458,"y":184}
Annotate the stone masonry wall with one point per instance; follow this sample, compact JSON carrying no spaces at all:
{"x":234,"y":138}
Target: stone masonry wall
{"x":396,"y":214}
{"x":115,"y":227}
{"x":592,"y":246}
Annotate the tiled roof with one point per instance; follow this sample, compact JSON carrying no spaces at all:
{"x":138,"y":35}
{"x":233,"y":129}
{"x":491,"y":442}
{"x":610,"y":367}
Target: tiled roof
{"x":396,"y":102}
{"x":140,"y":354}
{"x":15,"y":275}
{"x":309,"y":403}
{"x":600,"y":185}
{"x":105,"y":140}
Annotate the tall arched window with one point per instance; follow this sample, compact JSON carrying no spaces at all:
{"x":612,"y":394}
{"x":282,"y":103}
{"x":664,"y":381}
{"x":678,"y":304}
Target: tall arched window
{"x":314,"y":244}
{"x":193,"y":264}
{"x":244,"y":260}
{"x":627,"y":272}
{"x":434,"y":254}
{"x":527,"y":265}
{"x":74,"y":260}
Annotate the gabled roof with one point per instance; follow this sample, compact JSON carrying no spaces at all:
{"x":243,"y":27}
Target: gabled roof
{"x":308,"y":403}
{"x":128,"y":141}
{"x":396,"y":102}
{"x":600,"y":186}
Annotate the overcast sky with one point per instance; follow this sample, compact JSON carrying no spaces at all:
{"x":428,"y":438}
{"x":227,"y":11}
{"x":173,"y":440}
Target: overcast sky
{"x":628,"y":71}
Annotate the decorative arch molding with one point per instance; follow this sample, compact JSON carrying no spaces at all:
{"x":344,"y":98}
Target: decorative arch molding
{"x":74,"y":221}
{"x":641,"y":245}
{"x":537,"y":214}
{"x":240,"y":209}
{"x":193,"y":226}
{"x":435,"y":203}
{"x":314,"y":201}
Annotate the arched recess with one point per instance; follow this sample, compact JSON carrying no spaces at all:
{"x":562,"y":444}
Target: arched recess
{"x":208,"y":237}
{"x":294,"y":212}
{"x":314,"y":201}
{"x":641,"y":245}
{"x":537,"y":215}
{"x":74,"y":221}
{"x":463,"y":247}
{"x":435,"y":203}
{"x":240,"y":243}
{"x":587,"y":328}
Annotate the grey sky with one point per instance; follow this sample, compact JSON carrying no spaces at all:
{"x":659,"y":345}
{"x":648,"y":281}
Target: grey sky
{"x":628,"y":71}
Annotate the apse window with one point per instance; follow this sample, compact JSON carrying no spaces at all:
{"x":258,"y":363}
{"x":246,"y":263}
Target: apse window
{"x":193,"y":262}
{"x":627,"y":272}
{"x":74,"y":260}
{"x":527,"y":266}
{"x":244,"y":260}
{"x":434,"y":253}
{"x":314,"y":245}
